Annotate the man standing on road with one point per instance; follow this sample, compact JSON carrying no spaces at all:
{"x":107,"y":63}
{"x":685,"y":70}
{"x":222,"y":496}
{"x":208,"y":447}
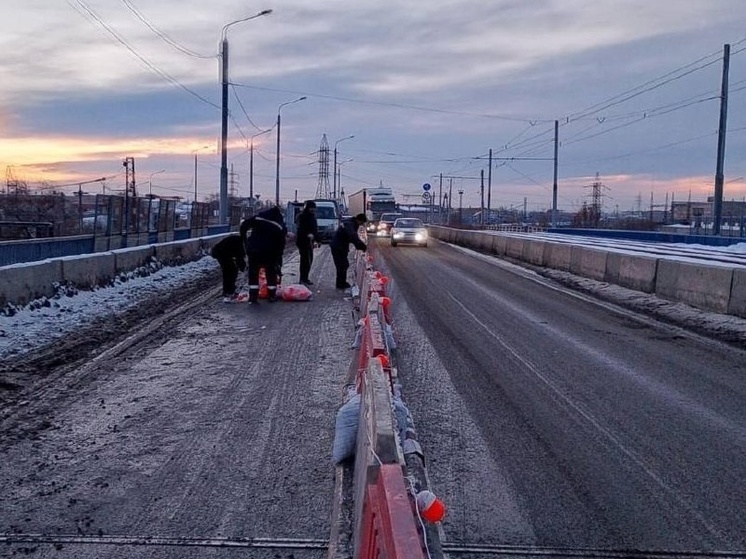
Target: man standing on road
{"x":346,"y":233}
{"x":229,"y":253}
{"x":264,"y":247}
{"x":307,"y":232}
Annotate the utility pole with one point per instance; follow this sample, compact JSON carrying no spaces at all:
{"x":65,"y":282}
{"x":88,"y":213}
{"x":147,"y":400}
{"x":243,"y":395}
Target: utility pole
{"x":460,"y":207}
{"x":80,"y":210}
{"x":489,"y":190}
{"x":223,"y":206}
{"x":719,"y":174}
{"x":440,"y":200}
{"x":450,"y":198}
{"x":481,"y":192}
{"x":554,"y":183}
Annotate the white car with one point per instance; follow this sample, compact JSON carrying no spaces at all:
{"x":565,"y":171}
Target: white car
{"x":409,"y":230}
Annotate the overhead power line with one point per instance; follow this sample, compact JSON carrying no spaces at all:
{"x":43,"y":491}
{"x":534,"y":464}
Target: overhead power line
{"x":162,"y":35}
{"x":97,"y":19}
{"x":655,"y":83}
{"x":384,"y":104}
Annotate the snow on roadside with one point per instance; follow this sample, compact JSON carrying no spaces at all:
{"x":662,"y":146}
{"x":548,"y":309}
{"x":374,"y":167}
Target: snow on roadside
{"x":45,"y":320}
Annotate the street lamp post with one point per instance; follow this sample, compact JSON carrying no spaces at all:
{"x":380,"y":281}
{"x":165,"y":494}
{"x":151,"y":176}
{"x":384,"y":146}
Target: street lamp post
{"x":195,"y":169}
{"x":460,"y":207}
{"x":277,"y":169}
{"x":224,"y":119}
{"x":251,"y":166}
{"x":334,"y":189}
{"x":150,"y":182}
{"x":338,"y":176}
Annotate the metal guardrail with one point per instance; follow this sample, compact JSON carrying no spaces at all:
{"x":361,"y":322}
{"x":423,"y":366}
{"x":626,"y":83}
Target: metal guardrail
{"x":34,"y":250}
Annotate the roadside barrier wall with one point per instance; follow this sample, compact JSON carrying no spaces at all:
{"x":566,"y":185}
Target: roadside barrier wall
{"x":22,"y":283}
{"x":719,"y":289}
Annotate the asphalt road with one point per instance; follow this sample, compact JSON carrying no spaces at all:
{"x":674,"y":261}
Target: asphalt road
{"x":548,"y":419}
{"x":552,"y":420}
{"x":209,"y":436}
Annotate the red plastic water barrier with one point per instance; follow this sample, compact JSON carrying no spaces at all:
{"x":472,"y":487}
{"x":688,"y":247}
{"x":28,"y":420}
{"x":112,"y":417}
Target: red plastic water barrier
{"x":388,"y":529}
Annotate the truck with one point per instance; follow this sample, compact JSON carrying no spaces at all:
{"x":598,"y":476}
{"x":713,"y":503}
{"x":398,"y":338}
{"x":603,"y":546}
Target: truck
{"x":372,"y":202}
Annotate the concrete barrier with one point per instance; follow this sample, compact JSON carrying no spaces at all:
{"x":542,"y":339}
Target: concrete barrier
{"x":22,"y":283}
{"x":179,"y":251}
{"x":631,"y":271}
{"x":588,"y":262}
{"x":533,"y":252}
{"x":514,"y":247}
{"x":500,"y":245}
{"x":483,"y":241}
{"x":130,"y":258}
{"x":704,"y":287}
{"x":89,"y":270}
{"x":712,"y":288}
{"x":737,"y":301}
{"x":557,"y":256}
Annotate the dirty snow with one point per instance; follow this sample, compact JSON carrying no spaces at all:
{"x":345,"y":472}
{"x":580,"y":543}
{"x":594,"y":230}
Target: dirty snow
{"x":24,"y":329}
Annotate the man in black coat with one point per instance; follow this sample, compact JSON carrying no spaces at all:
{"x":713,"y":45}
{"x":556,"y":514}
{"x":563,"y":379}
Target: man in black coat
{"x":307,"y":233}
{"x":229,"y":253}
{"x":265,"y":242}
{"x":340,"y":246}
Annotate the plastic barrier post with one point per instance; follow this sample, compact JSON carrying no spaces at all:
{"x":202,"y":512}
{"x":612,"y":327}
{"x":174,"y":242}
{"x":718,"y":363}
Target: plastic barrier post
{"x":389,"y":529}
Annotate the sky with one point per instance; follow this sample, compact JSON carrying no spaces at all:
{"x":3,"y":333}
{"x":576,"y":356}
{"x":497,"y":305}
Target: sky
{"x":425,"y":88}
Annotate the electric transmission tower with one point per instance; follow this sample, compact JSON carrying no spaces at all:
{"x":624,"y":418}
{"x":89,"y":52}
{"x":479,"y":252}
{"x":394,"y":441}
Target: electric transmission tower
{"x":130,"y":186}
{"x":597,"y":188}
{"x":12,"y":184}
{"x":322,"y":190}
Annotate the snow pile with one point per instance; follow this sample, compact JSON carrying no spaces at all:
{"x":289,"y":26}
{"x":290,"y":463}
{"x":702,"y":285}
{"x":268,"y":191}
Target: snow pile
{"x":24,"y":329}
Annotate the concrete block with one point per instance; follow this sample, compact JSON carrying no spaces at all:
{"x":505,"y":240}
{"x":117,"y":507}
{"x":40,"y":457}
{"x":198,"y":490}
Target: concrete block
{"x":631,"y":271}
{"x":127,"y":259}
{"x":500,"y":245}
{"x":705,"y":287}
{"x":178,"y":251}
{"x":89,"y":270}
{"x":557,"y":256}
{"x":737,"y":301}
{"x":22,"y":283}
{"x":483,"y":241}
{"x":533,"y":252}
{"x":514,"y":247}
{"x":588,"y":262}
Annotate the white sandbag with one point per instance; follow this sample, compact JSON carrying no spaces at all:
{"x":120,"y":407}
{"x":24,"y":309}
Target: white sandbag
{"x":345,"y":430}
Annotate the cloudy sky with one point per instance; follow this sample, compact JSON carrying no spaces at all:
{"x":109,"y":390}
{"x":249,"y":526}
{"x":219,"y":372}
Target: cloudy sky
{"x":425,"y":88}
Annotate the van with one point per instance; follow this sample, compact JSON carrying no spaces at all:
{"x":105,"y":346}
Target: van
{"x":327,"y":218}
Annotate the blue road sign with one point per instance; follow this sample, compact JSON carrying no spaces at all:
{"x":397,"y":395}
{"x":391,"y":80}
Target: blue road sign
{"x":426,"y":186}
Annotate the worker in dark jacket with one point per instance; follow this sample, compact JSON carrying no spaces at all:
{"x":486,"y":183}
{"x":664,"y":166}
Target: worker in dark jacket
{"x":229,"y":253}
{"x":307,"y":233}
{"x":265,"y":243}
{"x":340,"y":246}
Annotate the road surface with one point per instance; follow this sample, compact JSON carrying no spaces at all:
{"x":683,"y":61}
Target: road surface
{"x":551,"y":419}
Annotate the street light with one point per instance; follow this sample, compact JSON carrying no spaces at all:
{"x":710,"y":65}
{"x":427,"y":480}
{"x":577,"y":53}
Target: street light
{"x":251,"y":166}
{"x":460,"y":207}
{"x":334,"y":190}
{"x":277,"y":170}
{"x":224,"y":120}
{"x":150,"y":182}
{"x":195,"y":169}
{"x":338,"y":176}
